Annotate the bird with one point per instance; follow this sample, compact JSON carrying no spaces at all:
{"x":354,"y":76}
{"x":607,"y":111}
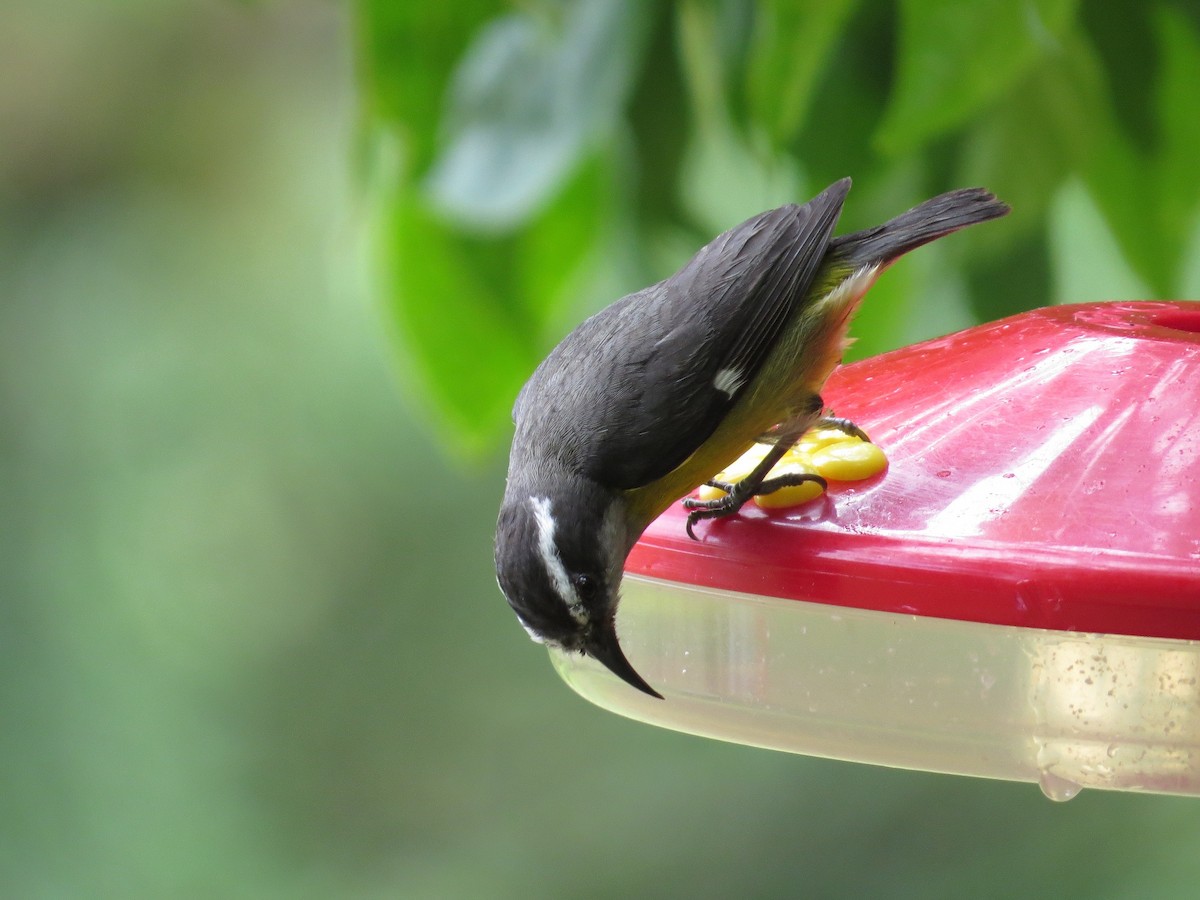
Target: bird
{"x":648,"y":398}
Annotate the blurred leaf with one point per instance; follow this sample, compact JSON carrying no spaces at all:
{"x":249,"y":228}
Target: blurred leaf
{"x":1056,"y":123}
{"x":1087,"y":263}
{"x":471,"y":313}
{"x":835,"y":136}
{"x":527,"y":102}
{"x":452,"y":324}
{"x":734,"y":22}
{"x":792,"y":43}
{"x":482,"y":259}
{"x":1121,"y":33}
{"x":1189,"y":275}
{"x":1121,"y":186}
{"x":724,"y":179}
{"x":1039,"y":133}
{"x":955,"y":59}
{"x":553,"y":247}
{"x":557,"y":124}
{"x":1149,"y":199}
{"x":703,"y":66}
{"x":1143,"y":178}
{"x":406,"y":54}
{"x":728,"y":182}
{"x":660,"y":120}
{"x":1015,"y":280}
{"x":1179,"y":124}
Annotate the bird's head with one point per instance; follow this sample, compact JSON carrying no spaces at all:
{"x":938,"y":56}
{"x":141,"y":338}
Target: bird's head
{"x":559,"y":559}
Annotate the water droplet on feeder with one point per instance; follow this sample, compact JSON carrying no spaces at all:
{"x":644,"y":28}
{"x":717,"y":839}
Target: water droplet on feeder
{"x":1057,"y":788}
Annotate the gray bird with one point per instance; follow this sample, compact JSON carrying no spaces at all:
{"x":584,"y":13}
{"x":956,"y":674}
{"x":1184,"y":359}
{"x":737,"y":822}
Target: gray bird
{"x":650,"y":397}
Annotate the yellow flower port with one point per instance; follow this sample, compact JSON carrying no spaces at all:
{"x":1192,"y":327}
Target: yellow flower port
{"x":828,"y":452}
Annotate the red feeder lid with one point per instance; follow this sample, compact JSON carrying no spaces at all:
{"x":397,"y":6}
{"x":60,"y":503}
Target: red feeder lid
{"x":1044,"y":471}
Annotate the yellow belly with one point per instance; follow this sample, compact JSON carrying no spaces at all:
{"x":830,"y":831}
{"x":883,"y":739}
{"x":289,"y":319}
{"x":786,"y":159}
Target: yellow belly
{"x":811,"y":346}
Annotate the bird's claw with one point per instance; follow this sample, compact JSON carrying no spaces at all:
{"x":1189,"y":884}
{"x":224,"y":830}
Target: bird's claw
{"x":843,"y":425}
{"x":736,"y":496}
{"x":709,"y":512}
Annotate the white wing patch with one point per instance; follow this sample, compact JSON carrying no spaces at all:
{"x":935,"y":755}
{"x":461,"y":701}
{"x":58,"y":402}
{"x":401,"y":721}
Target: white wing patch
{"x":729,"y":381}
{"x":548,"y":551}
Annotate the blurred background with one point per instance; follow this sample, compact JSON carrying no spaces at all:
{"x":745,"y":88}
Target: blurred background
{"x":270,"y":274}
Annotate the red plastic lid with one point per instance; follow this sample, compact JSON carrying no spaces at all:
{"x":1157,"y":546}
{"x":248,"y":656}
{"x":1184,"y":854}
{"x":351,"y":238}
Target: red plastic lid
{"x":1044,"y":472}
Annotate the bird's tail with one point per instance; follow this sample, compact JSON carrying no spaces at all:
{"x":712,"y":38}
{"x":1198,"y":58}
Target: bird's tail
{"x":931,"y":220}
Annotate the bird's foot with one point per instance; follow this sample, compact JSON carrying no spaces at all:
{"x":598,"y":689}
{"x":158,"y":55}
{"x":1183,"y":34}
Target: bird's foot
{"x":792,"y":431}
{"x":737,"y":494}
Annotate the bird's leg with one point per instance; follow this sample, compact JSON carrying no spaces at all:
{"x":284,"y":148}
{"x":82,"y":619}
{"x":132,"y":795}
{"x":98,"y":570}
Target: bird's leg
{"x":811,"y":415}
{"x":780,"y":438}
{"x":836,"y":422}
{"x":741,"y":491}
{"x":771,"y":485}
{"x":773,"y":436}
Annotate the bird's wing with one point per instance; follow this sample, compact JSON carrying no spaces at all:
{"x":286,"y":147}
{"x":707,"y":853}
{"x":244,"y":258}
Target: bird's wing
{"x":638,"y":387}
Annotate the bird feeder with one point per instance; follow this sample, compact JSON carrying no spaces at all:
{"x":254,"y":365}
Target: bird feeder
{"x":1017,"y":596}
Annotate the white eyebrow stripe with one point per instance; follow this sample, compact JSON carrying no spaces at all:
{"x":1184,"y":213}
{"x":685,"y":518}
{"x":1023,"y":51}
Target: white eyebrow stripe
{"x":548,"y":551}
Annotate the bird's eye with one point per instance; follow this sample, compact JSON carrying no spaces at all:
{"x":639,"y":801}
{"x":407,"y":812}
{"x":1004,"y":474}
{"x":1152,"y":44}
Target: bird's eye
{"x":586,"y":587}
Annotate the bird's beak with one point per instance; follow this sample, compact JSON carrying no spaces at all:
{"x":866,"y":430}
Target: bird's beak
{"x":605,"y":649}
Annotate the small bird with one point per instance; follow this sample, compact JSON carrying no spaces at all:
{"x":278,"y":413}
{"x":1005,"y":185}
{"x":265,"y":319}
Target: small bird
{"x":648,"y":398}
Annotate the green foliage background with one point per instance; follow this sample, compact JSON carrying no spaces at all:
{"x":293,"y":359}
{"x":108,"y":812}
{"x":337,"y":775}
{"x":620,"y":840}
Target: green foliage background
{"x":250,"y":642}
{"x":539,"y":160}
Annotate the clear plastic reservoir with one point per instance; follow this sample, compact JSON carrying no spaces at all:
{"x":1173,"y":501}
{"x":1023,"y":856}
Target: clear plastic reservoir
{"x":1064,"y":709}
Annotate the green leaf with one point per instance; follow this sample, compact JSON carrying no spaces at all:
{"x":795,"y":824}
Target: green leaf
{"x":956,"y":58}
{"x":660,"y":122}
{"x":1189,"y":276}
{"x":1040,"y":132}
{"x":471,"y":315}
{"x":792,"y":43}
{"x":1149,"y":199}
{"x":555,"y":247}
{"x":1179,"y":134}
{"x":1086,"y":259}
{"x":480,"y":258}
{"x":1060,"y":122}
{"x":460,"y":345}
{"x":703,"y":66}
{"x":724,"y":180}
{"x":529,"y":101}
{"x":1121,"y":186}
{"x":715,"y":43}
{"x":1121,"y":33}
{"x":406,"y":52}
{"x":835,"y":137}
{"x":1014,"y":278}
